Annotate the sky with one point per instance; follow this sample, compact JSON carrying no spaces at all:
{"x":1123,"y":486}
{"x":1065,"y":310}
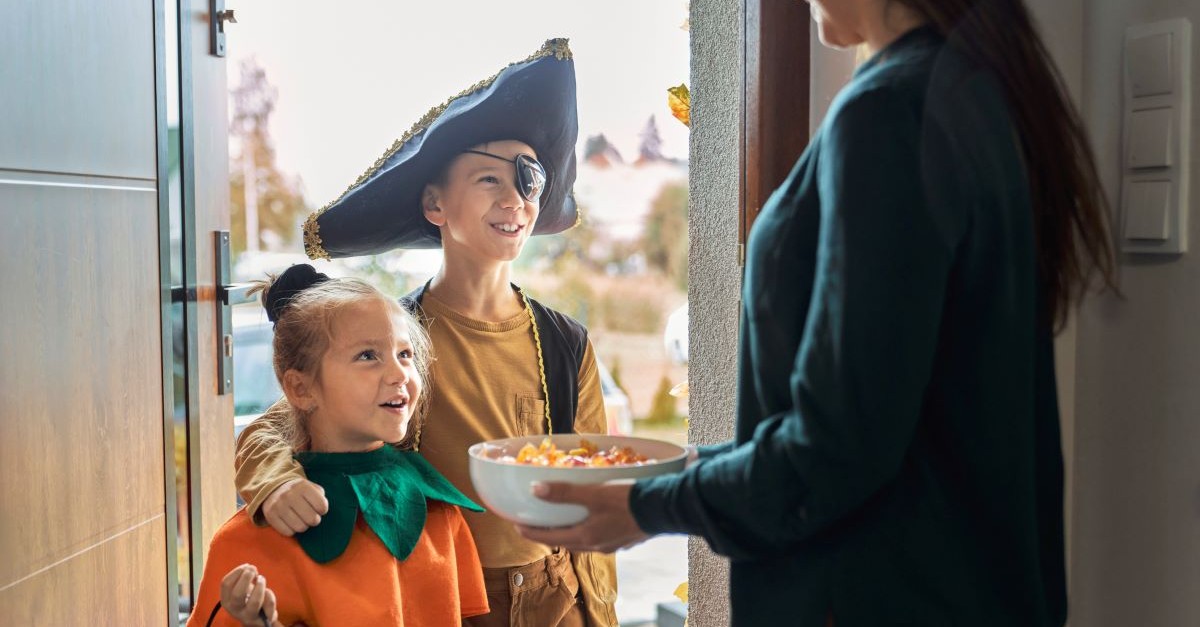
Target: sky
{"x":353,"y":75}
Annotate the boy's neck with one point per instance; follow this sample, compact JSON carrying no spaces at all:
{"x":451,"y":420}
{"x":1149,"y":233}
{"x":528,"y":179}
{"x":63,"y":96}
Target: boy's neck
{"x":480,"y":293}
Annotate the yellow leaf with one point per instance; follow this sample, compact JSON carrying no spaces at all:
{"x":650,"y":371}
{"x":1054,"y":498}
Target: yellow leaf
{"x":681,"y":592}
{"x":680,"y":390}
{"x":680,"y":101}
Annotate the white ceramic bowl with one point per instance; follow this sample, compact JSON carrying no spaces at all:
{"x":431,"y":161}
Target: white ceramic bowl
{"x":505,"y":486}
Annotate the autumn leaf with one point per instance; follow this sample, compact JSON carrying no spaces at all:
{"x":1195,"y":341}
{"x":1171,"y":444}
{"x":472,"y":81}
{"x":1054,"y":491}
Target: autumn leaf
{"x":680,"y":101}
{"x":680,"y":390}
{"x":681,"y":592}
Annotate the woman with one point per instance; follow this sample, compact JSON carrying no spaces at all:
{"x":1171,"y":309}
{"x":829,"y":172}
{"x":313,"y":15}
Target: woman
{"x":897,"y":458}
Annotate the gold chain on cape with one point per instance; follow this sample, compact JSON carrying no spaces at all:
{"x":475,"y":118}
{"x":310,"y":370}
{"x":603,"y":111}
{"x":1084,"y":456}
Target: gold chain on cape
{"x":537,"y":343}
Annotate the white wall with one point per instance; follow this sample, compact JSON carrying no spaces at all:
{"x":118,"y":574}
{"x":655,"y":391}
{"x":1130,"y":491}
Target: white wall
{"x":1136,"y":519}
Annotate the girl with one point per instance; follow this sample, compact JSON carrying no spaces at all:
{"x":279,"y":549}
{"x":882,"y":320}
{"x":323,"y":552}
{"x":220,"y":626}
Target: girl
{"x":394,"y":548}
{"x":477,"y":177}
{"x":897,"y":458}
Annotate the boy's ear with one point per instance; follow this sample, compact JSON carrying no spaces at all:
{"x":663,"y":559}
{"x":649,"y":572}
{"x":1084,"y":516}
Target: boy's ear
{"x":429,"y":205}
{"x":300,"y":390}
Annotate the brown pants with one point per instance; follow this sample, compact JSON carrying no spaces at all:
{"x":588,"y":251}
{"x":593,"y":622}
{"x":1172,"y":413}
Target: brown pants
{"x":542,"y":594}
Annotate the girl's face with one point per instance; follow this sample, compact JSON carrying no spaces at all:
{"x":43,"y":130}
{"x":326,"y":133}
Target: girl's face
{"x":368,"y":384}
{"x":838,"y":23}
{"x":478,"y":209}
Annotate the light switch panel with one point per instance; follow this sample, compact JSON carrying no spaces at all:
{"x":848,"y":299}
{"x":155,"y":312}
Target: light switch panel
{"x":1149,"y":63}
{"x":1156,"y":120}
{"x":1150,"y":134}
{"x":1146,"y":211}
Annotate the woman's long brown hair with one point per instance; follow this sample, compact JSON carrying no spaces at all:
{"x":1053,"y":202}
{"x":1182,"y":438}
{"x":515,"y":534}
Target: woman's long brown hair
{"x":1070,"y":210}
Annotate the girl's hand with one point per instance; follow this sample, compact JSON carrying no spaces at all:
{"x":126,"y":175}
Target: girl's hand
{"x":295,"y":506}
{"x":245,"y":595}
{"x":609,"y":525}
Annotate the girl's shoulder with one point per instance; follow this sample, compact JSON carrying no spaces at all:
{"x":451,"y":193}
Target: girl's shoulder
{"x":239,"y":533}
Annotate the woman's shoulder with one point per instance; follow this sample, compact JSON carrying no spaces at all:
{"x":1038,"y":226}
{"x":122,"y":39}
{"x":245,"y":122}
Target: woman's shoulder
{"x":870,"y":108}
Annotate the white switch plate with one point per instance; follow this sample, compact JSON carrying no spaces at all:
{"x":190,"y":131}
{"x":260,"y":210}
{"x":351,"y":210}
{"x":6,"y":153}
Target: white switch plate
{"x":1156,"y":148}
{"x":1149,"y":64}
{"x":1150,"y":139}
{"x":1147,"y":211}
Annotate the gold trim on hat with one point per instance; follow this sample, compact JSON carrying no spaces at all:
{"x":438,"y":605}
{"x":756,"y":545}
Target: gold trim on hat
{"x":558,"y":48}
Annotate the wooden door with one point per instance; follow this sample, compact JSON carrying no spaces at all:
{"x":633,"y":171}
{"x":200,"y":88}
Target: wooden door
{"x":211,"y":434}
{"x":204,"y":428}
{"x":112,"y":181}
{"x":82,"y":510}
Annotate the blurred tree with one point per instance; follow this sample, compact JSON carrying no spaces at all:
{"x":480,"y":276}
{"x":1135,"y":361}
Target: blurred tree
{"x":650,"y":149}
{"x":615,"y":372}
{"x":662,"y":408}
{"x":272,"y":206}
{"x":564,"y":252}
{"x":665,"y":240}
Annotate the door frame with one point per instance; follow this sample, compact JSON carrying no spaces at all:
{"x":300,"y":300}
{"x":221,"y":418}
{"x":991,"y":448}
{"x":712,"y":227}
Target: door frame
{"x":775,"y":101}
{"x":209,"y":446}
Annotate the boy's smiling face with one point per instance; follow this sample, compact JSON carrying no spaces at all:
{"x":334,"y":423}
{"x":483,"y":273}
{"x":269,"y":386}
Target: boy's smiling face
{"x":478,"y":208}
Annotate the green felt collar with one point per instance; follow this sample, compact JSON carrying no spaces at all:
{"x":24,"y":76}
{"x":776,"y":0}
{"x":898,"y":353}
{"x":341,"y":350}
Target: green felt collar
{"x":388,"y":486}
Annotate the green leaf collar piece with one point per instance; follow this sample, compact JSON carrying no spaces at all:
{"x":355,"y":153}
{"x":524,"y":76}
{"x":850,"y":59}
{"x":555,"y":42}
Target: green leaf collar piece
{"x":388,"y":486}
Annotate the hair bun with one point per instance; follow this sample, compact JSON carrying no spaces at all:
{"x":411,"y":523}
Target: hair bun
{"x":286,"y":286}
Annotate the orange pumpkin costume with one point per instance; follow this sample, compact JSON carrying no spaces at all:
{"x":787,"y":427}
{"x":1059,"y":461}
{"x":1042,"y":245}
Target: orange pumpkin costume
{"x":439,"y":583}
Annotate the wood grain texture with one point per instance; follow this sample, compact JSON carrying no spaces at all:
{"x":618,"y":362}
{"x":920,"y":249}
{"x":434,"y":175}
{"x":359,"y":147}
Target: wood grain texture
{"x":117,"y":582}
{"x":78,"y":87}
{"x":776,"y":98}
{"x":80,"y":391}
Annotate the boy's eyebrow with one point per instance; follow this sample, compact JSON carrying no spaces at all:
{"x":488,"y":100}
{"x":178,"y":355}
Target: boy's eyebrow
{"x":486,"y":166}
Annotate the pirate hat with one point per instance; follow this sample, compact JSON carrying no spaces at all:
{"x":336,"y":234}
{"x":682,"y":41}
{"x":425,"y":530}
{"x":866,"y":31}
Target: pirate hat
{"x":532,"y":101}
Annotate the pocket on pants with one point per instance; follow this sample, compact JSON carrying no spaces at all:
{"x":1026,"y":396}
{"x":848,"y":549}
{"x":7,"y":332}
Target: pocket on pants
{"x":552,"y":605}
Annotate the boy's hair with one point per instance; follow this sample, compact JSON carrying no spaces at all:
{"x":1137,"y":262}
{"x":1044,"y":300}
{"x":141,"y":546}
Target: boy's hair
{"x":303,"y":332}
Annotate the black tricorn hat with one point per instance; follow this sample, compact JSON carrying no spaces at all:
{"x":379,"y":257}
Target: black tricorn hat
{"x":532,"y":101}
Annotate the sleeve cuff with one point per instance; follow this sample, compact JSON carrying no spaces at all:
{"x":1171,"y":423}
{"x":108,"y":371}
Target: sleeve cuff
{"x":657,"y":506}
{"x":712,"y":450}
{"x":254,"y":505}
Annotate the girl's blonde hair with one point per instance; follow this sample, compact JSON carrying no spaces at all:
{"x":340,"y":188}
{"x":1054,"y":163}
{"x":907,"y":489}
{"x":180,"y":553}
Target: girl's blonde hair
{"x":303,"y":332}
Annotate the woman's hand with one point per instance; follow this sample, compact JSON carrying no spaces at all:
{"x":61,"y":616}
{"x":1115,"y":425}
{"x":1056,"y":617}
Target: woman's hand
{"x":295,"y":506}
{"x":609,"y":525}
{"x":245,"y":595}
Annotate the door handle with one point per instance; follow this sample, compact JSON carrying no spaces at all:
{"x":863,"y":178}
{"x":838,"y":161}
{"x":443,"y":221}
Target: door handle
{"x":217,"y":17}
{"x":228,"y":295}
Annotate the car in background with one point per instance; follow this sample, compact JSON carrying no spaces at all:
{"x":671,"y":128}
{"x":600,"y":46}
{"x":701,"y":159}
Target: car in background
{"x":255,"y":388}
{"x":254,"y":385}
